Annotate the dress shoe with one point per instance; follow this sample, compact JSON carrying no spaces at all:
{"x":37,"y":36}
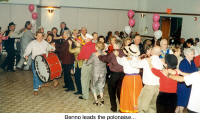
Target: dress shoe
{"x":80,"y":97}
{"x":35,"y":93}
{"x":96,"y":103}
{"x":113,"y":109}
{"x":101,"y":101}
{"x":77,"y":93}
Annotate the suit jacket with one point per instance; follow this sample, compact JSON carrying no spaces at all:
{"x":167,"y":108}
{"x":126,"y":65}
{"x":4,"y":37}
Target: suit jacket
{"x":62,"y":50}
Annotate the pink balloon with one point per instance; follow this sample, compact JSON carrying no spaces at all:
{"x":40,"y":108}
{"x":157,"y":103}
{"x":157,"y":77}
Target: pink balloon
{"x":31,"y":7}
{"x":34,"y":15}
{"x":156,"y":17}
{"x":156,"y":26}
{"x":131,"y":14}
{"x":131,"y":22}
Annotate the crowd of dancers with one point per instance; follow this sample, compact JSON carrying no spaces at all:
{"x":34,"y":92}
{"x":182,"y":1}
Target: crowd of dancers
{"x":146,"y":76}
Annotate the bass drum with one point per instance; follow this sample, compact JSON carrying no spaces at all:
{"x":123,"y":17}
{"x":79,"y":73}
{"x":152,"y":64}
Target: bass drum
{"x":48,"y":67}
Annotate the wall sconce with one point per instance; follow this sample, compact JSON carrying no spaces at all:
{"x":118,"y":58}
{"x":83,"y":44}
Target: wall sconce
{"x":142,"y":15}
{"x":50,"y":10}
{"x":195,"y":18}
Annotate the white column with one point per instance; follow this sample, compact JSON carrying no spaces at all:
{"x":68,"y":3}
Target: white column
{"x":49,"y":20}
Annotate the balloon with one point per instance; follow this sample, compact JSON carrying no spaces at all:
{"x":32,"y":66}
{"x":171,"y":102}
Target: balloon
{"x":34,"y":15}
{"x":156,"y":26}
{"x":158,"y":34}
{"x":127,"y":29}
{"x":156,"y":17}
{"x":131,"y":22}
{"x":31,"y":7}
{"x":131,"y":14}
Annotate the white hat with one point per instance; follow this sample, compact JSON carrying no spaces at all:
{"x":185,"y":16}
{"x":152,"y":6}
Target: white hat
{"x":132,"y":50}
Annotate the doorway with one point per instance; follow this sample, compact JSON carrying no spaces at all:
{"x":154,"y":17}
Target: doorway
{"x":171,"y":27}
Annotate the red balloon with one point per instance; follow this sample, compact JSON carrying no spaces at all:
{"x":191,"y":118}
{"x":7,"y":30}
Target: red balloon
{"x":34,"y":15}
{"x":131,"y":22}
{"x":156,"y":17}
{"x":31,"y":7}
{"x":131,"y":14}
{"x":156,"y":26}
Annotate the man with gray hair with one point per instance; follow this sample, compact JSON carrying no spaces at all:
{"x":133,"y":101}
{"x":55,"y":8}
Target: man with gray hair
{"x":149,"y":93}
{"x":117,"y":74}
{"x":25,"y":40}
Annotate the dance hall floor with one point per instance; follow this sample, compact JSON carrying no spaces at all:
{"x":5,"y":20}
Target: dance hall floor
{"x":16,"y":96}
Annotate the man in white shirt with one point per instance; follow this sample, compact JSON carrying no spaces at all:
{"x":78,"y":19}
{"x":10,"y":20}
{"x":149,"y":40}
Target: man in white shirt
{"x":149,"y":93}
{"x":37,"y":47}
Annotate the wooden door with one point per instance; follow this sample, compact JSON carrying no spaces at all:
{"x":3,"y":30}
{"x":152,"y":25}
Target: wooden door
{"x":165,"y":27}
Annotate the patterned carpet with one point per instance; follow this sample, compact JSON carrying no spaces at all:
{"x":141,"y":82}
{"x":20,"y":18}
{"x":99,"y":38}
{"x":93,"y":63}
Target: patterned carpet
{"x":16,"y":96}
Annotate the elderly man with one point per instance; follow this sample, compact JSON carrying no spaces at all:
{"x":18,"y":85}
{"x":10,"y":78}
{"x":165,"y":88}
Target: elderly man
{"x":137,"y":42}
{"x":164,"y":48}
{"x":82,"y":36}
{"x":85,"y":53}
{"x":25,"y":40}
{"x":149,"y":93}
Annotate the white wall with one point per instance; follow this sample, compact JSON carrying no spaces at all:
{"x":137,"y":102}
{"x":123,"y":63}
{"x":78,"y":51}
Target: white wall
{"x":111,"y":4}
{"x":190,"y":28}
{"x":96,"y":15}
{"x":19,"y":14}
{"x":97,"y":20}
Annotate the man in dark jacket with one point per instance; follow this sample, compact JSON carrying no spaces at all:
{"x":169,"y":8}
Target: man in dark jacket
{"x":67,"y":60}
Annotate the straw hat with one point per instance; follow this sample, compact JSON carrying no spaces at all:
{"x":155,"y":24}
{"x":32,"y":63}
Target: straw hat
{"x":133,"y":50}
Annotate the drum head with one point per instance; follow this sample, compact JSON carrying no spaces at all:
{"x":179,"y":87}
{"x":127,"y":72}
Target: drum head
{"x":42,"y":68}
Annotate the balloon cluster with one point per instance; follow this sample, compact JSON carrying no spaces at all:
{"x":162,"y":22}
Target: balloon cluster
{"x":31,"y":8}
{"x":156,"y":24}
{"x":131,"y":19}
{"x":131,"y":22}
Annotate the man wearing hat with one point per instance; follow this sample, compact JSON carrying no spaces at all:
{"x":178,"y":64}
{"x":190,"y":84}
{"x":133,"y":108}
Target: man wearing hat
{"x":9,"y":46}
{"x":25,"y":40}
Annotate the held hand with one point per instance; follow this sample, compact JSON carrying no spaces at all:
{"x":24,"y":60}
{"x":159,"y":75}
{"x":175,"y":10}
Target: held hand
{"x":178,"y":71}
{"x":70,"y":42}
{"x":104,"y":53}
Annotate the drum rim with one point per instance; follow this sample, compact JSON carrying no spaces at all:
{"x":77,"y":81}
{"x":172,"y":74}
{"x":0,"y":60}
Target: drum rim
{"x":60,"y":66}
{"x":47,"y":68}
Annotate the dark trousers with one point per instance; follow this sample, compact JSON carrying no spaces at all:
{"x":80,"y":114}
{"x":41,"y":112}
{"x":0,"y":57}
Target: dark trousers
{"x":114,"y":86}
{"x":67,"y":76}
{"x":10,"y":58}
{"x":78,"y":79}
{"x":166,"y":102}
